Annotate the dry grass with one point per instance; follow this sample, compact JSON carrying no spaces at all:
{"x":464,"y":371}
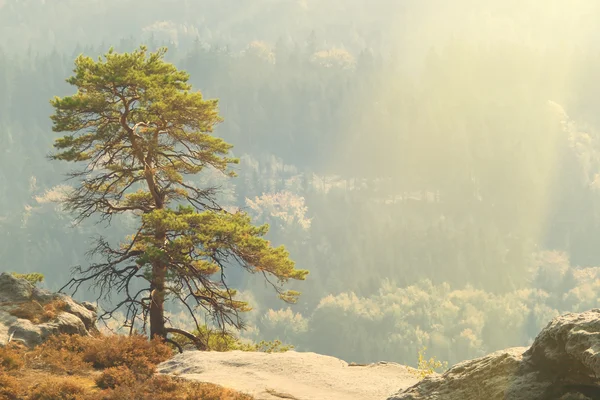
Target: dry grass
{"x":97,"y":368}
{"x":136,"y":352}
{"x":37,"y":312}
{"x":60,"y":355}
{"x":59,"y":388}
{"x":11,"y":358}
{"x":161,"y":387}
{"x":9,"y":386}
{"x":116,"y":376}
{"x":64,"y":354}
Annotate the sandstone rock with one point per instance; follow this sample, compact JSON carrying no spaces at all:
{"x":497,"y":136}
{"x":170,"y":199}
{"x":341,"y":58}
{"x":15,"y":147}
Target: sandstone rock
{"x":562,"y":363}
{"x":290,"y":375}
{"x":13,"y":289}
{"x":89,"y":306}
{"x":569,"y":346}
{"x":24,"y":319}
{"x":489,"y":377}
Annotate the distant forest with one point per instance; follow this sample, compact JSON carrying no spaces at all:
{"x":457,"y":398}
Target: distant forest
{"x":442,"y":193}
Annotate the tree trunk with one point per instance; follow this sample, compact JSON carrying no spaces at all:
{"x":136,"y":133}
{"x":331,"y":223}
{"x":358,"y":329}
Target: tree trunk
{"x":159,"y":269}
{"x":157,"y":301}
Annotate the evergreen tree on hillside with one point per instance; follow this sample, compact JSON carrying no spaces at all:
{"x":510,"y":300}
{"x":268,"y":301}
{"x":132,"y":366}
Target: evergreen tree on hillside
{"x":140,"y":133}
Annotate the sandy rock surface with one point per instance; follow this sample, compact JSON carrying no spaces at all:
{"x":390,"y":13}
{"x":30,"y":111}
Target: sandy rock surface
{"x":291,"y":375}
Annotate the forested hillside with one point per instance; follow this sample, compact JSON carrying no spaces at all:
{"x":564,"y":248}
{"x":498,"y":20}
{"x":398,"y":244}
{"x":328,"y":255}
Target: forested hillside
{"x":441,"y":186}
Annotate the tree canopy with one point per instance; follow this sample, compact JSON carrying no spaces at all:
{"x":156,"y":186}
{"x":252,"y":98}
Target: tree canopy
{"x":141,"y":133}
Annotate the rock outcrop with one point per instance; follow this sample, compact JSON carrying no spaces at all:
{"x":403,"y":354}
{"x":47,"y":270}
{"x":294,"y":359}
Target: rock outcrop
{"x":563,"y":363}
{"x":291,"y":375}
{"x":29,"y":314}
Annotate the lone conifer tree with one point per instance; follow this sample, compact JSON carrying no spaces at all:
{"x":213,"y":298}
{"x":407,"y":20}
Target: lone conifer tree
{"x":140,"y":133}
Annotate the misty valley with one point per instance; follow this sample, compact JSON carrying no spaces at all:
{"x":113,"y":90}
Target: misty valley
{"x":383,"y":193}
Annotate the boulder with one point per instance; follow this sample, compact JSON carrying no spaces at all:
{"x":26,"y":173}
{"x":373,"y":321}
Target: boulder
{"x":562,"y":363}
{"x":29,"y":314}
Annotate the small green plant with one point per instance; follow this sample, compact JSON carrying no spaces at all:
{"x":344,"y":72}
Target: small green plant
{"x":427,"y":367}
{"x":274,"y":346}
{"x":218,"y":340}
{"x":34,"y":278}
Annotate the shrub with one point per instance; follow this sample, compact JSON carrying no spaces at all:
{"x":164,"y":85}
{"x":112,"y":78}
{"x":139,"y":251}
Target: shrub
{"x":224,"y":341}
{"x":61,"y":354}
{"x":71,"y":343}
{"x":128,"y":361}
{"x":71,"y":353}
{"x":136,"y":352}
{"x":162,"y":387}
{"x":9,"y":386}
{"x":28,"y":310}
{"x":53,"y":308}
{"x":156,"y":388}
{"x":271,"y":347}
{"x":165,"y":384}
{"x":34,"y":278}
{"x":58,"y":389}
{"x":11,"y":358}
{"x":216,"y":340}
{"x":39,"y":313}
{"x":60,"y":361}
{"x":116,"y":376}
{"x":427,"y":367}
{"x":207,"y":391}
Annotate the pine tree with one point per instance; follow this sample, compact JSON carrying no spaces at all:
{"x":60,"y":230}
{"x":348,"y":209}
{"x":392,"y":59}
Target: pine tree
{"x":141,"y":134}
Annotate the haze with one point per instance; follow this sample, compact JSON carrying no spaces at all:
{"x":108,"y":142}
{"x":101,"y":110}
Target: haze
{"x":434,"y":164}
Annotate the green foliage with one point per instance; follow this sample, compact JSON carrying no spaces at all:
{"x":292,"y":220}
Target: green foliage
{"x":130,"y":90}
{"x":210,"y":233}
{"x":219,"y":340}
{"x":34,"y":278}
{"x":272,"y":346}
{"x":140,"y":133}
{"x":453,"y":323}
